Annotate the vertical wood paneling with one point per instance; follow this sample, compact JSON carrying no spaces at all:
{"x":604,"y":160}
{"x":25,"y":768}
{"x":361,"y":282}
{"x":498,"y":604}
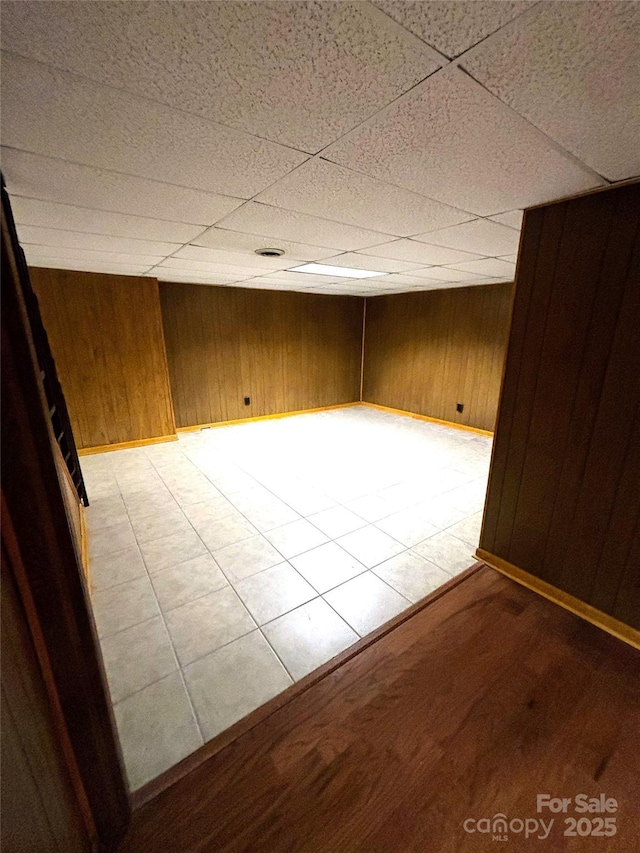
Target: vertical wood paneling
{"x":39,"y":807}
{"x":501,"y":465}
{"x":610,"y":442}
{"x":564,"y":490}
{"x":533,"y":324}
{"x":40,"y":552}
{"x":286,"y":351}
{"x":627,"y":602}
{"x":554,"y":391}
{"x":72,"y":505}
{"x":105,"y":332}
{"x":613,"y":584}
{"x":425,"y":352}
{"x":593,"y":366}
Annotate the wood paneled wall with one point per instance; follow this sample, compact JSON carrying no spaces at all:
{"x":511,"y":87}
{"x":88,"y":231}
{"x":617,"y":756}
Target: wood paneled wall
{"x":106,"y":337}
{"x":286,"y":351}
{"x":564,"y":493}
{"x":426,"y":352}
{"x":72,"y":505}
{"x":38,"y":803}
{"x":63,"y":757}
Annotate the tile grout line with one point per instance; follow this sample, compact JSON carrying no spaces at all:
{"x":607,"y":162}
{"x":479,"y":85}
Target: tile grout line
{"x":261,"y":483}
{"x":277,"y":656}
{"x":257,"y":627}
{"x":406,"y":549}
{"x":228,"y":579}
{"x":162,"y":615}
{"x":287,"y":560}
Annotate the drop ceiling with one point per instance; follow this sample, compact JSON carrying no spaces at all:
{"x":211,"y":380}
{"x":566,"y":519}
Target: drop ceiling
{"x":174,"y":139}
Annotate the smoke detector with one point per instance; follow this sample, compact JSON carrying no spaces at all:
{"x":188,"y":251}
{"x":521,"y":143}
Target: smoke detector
{"x":270,"y":253}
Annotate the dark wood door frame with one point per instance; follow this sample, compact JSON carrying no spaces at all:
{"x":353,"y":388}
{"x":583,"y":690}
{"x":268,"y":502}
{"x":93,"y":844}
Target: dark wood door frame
{"x":50,"y":580}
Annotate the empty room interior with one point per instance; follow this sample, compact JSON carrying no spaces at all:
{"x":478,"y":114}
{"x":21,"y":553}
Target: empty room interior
{"x":321,"y":471}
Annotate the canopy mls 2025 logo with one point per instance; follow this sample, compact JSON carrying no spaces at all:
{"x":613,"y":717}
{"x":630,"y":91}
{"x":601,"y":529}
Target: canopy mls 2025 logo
{"x":594,"y":819}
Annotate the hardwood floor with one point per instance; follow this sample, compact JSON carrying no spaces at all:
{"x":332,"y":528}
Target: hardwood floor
{"x":479,"y":701}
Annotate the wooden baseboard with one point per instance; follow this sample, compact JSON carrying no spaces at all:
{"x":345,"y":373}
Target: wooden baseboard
{"x":152,"y":789}
{"x":125,"y":445}
{"x":84,"y":548}
{"x":585,"y":611}
{"x":197,"y":427}
{"x":427,"y":418}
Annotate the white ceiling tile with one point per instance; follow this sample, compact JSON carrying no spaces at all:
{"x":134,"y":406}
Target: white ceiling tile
{"x":348,"y":290}
{"x":457,"y":284}
{"x":419,"y":253}
{"x":512,"y":218}
{"x":467,"y":284}
{"x":97,"y":242}
{"x":493,"y":267}
{"x":64,"y":253}
{"x":88,"y":266}
{"x":204,"y":282}
{"x":236,"y":241}
{"x":438,"y":285}
{"x":325,"y":189}
{"x":56,"y":114}
{"x":452,"y":140}
{"x":298,"y":73}
{"x":573,"y":70}
{"x":447,"y":275}
{"x":450,"y":27}
{"x":398,"y":288}
{"x":48,"y":214}
{"x":477,"y":280}
{"x":187,"y":265}
{"x":480,"y":236}
{"x":198,"y":277}
{"x":33,"y":176}
{"x":266,"y":284}
{"x":361,"y":286}
{"x":242,"y":259}
{"x":408,"y":280}
{"x":368,"y":283}
{"x":302,"y":278}
{"x":363,"y":261}
{"x":425,"y":286}
{"x":274,"y":222}
{"x":569,"y":68}
{"x":430,"y":285}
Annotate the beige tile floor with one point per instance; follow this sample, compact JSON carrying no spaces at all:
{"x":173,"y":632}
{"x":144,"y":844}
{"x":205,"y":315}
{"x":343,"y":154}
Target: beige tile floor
{"x":232,"y":562}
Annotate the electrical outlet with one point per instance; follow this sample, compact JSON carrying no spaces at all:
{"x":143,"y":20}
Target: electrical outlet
{"x":459,"y":407}
{"x":247,"y":401}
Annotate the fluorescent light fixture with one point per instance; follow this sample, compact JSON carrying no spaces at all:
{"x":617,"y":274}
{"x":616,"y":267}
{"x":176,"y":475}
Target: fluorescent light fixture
{"x":343,"y":272}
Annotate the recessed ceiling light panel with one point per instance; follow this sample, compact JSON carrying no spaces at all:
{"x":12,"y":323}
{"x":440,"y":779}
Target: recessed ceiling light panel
{"x":343,"y":272}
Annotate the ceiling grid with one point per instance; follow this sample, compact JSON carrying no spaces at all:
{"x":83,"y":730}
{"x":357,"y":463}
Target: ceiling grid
{"x":175,"y":139}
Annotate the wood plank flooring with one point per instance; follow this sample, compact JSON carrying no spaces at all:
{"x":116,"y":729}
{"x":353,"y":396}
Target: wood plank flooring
{"x":479,"y":701}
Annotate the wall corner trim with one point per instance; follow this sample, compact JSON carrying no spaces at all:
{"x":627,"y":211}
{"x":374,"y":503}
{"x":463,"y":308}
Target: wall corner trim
{"x":125,"y":445}
{"x":362,"y":346}
{"x":275,"y":416}
{"x":427,"y":418}
{"x":563,"y":599}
